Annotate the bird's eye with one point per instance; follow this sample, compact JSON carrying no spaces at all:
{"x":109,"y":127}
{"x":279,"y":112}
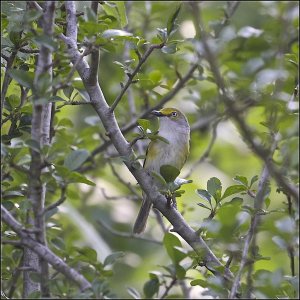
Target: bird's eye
{"x":174,"y":114}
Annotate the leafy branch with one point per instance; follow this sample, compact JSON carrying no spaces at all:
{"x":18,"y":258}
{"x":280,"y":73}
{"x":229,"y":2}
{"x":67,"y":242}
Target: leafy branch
{"x":142,"y":60}
{"x":123,"y":147}
{"x":229,"y":103}
{"x":43,"y":251}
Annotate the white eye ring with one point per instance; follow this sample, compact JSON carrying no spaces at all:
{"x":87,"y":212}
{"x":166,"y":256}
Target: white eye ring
{"x":174,"y":114}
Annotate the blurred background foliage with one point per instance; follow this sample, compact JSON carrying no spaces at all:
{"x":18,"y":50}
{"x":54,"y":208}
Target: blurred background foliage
{"x":257,"y":52}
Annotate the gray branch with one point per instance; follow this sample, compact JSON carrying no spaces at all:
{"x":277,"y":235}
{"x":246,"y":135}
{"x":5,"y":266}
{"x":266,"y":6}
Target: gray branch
{"x":43,"y":251}
{"x":40,"y":132}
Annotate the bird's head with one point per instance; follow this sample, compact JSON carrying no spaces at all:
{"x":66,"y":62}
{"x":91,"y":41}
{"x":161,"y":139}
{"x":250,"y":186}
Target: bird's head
{"x":171,"y":117}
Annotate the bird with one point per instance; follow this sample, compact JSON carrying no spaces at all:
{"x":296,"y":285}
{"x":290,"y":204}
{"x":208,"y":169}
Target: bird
{"x":175,"y":129}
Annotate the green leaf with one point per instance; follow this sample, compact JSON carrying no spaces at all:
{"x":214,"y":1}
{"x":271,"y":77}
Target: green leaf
{"x":253,"y":179}
{"x":162,"y":34}
{"x":12,"y":101}
{"x":24,"y":78}
{"x":267,"y":202}
{"x":170,"y":242}
{"x":45,"y":41}
{"x":110,"y":259}
{"x":35,"y":276}
{"x":144,"y":123}
{"x":214,"y":187}
{"x":12,"y":194}
{"x":56,"y":99}
{"x":89,"y":253}
{"x":241,"y":179}
{"x":204,"y":206}
{"x":121,"y":9}
{"x":75,"y":159}
{"x":59,"y":243}
{"x":204,"y":195}
{"x":90,"y":15}
{"x":77,"y":177}
{"x":33,"y":144}
{"x":50,"y":213}
{"x":159,"y":178}
{"x":151,"y":287}
{"x":180,"y":271}
{"x":169,"y":49}
{"x":155,"y":76}
{"x":178,"y":193}
{"x":112,"y":33}
{"x":32,"y":15}
{"x":158,"y":137}
{"x":169,"y":173}
{"x":201,"y":282}
{"x":172,"y":19}
{"x":234,"y":189}
{"x":8,"y":204}
{"x":43,"y":84}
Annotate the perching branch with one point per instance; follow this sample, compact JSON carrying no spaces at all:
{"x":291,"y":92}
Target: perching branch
{"x":44,"y":251}
{"x":123,"y":147}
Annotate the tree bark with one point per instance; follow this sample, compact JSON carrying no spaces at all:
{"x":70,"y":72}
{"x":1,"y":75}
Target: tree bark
{"x":40,"y":132}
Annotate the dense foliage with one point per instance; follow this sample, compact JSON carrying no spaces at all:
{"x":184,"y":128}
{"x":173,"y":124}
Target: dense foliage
{"x":233,"y":143}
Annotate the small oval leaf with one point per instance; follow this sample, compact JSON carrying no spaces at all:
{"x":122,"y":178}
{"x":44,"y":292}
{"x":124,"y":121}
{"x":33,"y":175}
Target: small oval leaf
{"x":75,"y":159}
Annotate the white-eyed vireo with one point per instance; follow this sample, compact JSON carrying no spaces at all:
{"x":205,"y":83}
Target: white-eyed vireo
{"x":174,"y":127}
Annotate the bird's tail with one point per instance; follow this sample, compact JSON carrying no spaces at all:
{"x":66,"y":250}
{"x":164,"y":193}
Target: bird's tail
{"x":141,"y":220}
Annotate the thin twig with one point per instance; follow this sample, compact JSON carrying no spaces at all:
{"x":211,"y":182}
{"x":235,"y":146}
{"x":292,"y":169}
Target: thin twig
{"x":207,"y":151}
{"x":66,"y":83}
{"x":14,"y":280}
{"x":228,"y":13}
{"x":290,"y":248}
{"x":171,"y":284}
{"x":129,"y":197}
{"x":127,"y":235}
{"x":121,"y":180}
{"x":29,"y":51}
{"x":7,"y":78}
{"x":58,"y":202}
{"x":135,"y":71}
{"x":35,"y":5}
{"x":260,"y":197}
{"x":160,"y":221}
{"x":72,"y":103}
{"x":13,"y":243}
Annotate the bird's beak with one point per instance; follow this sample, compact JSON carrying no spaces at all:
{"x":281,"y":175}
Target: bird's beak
{"x":157,"y":113}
